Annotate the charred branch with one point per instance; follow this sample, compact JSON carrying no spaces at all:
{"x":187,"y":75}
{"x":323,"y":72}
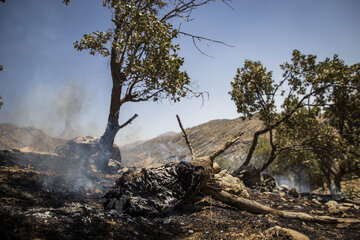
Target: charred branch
{"x":225,"y":146}
{"x":187,"y":140}
{"x":128,"y":121}
{"x":255,"y":207}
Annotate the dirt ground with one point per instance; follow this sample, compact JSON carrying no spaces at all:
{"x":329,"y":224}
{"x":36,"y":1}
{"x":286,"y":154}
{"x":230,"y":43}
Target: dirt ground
{"x":30,"y":209}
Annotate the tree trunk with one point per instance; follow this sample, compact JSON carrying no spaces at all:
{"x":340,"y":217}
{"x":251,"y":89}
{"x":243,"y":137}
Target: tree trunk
{"x":107,"y":139}
{"x":252,"y":148}
{"x":272,"y":154}
{"x":337,"y":181}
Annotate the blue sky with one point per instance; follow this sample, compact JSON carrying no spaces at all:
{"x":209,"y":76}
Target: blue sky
{"x":46,"y":83}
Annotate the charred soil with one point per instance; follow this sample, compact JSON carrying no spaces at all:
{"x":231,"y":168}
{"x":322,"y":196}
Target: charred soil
{"x":30,"y":209}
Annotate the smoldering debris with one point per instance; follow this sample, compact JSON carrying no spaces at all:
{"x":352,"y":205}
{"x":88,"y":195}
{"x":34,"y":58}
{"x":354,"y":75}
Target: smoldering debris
{"x":154,"y":191}
{"x":72,"y":167}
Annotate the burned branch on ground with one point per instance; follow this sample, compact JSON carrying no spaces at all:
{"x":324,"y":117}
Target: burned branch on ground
{"x":159,"y":190}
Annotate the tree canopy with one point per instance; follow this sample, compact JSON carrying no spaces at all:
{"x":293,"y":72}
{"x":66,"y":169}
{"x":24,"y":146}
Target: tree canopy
{"x":318,"y":119}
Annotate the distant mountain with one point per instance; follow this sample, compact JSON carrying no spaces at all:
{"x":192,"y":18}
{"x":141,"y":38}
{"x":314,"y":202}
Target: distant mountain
{"x":12,"y":136}
{"x":205,"y":138}
{"x":167,"y":147}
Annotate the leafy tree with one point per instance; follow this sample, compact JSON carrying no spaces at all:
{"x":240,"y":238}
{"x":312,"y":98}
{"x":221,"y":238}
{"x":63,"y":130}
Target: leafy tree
{"x":254,"y":91}
{"x":330,"y":88}
{"x":144,"y":61}
{"x":324,"y":151}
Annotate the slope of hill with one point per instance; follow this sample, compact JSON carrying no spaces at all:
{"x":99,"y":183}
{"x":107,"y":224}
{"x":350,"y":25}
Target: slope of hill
{"x":12,"y":136}
{"x":205,"y":138}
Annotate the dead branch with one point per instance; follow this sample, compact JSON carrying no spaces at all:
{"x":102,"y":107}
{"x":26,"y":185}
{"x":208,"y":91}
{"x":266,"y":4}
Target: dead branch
{"x":128,"y":121}
{"x":255,"y":207}
{"x":199,"y":38}
{"x":188,"y":142}
{"x":225,"y":146}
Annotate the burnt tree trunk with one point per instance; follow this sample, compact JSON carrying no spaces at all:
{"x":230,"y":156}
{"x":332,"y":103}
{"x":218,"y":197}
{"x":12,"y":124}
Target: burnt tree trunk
{"x":112,"y":127}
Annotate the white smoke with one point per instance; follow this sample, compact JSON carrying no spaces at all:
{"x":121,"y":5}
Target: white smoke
{"x":63,"y":112}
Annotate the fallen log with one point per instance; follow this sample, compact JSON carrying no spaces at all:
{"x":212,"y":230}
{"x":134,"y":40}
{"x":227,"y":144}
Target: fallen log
{"x":159,"y":190}
{"x":255,"y":207}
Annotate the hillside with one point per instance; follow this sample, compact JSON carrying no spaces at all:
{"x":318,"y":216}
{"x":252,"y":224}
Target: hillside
{"x":205,"y":138}
{"x":12,"y":136}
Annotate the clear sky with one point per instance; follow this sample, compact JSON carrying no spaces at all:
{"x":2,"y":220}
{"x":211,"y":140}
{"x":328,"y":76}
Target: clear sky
{"x":46,"y":83}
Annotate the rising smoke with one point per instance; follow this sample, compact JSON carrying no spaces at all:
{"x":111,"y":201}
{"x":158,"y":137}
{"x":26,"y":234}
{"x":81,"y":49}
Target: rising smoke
{"x":63,"y":112}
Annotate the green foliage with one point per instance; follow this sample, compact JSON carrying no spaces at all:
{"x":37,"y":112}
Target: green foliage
{"x":144,"y":53}
{"x":318,"y":128}
{"x":253,"y":89}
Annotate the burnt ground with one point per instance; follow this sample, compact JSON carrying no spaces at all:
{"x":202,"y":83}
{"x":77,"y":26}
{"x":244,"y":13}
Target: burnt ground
{"x":30,"y":209}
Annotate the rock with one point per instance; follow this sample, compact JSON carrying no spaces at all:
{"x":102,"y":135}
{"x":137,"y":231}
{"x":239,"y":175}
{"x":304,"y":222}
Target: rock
{"x":343,"y":208}
{"x":334,"y":210}
{"x":331,"y":203}
{"x":278,"y":233}
{"x":231,"y":184}
{"x":348,"y":204}
{"x":314,"y":200}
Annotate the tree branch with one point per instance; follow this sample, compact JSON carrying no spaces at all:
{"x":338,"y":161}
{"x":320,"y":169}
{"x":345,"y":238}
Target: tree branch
{"x":255,"y":207}
{"x":226,"y":145}
{"x":199,"y":38}
{"x":128,"y":121}
{"x":188,"y":142}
